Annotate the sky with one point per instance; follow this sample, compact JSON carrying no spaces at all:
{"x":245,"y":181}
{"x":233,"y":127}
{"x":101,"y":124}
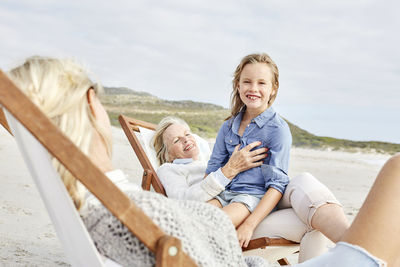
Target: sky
{"x":339,"y":61}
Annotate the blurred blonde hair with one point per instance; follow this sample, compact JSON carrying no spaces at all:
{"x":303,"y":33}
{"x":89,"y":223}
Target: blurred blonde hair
{"x":59,"y":88}
{"x":236,"y":103}
{"x":158,"y":140}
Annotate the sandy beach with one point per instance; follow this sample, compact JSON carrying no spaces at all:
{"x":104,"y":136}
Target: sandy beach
{"x":27,"y":237}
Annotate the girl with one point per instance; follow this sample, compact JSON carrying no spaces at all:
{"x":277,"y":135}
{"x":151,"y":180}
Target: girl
{"x":253,"y":193}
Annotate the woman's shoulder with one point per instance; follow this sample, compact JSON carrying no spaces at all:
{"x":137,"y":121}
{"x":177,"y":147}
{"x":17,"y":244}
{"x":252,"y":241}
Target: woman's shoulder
{"x":173,"y":168}
{"x":167,"y":167}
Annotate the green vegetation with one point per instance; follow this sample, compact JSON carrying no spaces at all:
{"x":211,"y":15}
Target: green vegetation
{"x":302,"y":138}
{"x":205,"y":119}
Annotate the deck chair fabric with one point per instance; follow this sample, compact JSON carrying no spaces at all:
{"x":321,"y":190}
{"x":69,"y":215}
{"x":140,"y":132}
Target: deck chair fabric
{"x":70,"y":229}
{"x":140,"y":133}
{"x":35,"y":135}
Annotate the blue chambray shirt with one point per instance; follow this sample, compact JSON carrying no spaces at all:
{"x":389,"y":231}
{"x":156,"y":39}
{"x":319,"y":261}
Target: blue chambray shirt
{"x":274,"y":133}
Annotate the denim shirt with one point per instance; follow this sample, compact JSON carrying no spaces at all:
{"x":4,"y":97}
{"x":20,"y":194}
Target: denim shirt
{"x":274,"y":133}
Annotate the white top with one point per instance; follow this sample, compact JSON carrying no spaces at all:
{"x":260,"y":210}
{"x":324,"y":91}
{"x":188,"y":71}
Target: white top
{"x":119,"y":179}
{"x":186,"y":181}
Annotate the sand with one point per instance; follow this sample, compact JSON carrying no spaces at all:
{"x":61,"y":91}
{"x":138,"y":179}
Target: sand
{"x":27,"y":237}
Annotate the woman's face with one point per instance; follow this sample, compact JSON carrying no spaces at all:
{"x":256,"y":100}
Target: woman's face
{"x":180,"y":143}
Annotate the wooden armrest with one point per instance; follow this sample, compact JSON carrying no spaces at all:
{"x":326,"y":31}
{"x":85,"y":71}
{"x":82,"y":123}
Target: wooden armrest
{"x":264,"y":242}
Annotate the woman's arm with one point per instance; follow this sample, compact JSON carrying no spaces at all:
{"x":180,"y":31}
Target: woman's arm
{"x":175,"y":181}
{"x":264,"y":207}
{"x":175,"y":177}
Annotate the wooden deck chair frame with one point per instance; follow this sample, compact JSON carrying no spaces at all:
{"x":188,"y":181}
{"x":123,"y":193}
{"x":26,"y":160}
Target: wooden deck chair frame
{"x":150,"y":178}
{"x":26,"y":119}
{"x":3,"y":121}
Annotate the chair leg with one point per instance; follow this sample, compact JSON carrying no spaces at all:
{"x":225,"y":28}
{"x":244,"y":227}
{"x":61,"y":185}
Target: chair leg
{"x":283,"y":262}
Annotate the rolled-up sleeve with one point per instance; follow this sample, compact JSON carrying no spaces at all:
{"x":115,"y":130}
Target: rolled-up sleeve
{"x":275,"y":172}
{"x":176,"y":186}
{"x":276,"y":178}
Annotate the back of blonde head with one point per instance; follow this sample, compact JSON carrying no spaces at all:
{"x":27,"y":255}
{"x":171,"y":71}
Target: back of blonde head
{"x":236,"y":103}
{"x":59,"y":87}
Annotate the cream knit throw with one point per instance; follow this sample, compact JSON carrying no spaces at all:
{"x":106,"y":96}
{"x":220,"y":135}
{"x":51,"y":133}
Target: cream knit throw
{"x":207,"y":234}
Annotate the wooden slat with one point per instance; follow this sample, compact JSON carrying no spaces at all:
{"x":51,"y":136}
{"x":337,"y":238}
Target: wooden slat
{"x":3,"y":121}
{"x":128,"y":125}
{"x":140,"y":123}
{"x":283,"y":262}
{"x":264,"y":242}
{"x":15,"y":101}
{"x":169,"y":252}
{"x":146,"y":179}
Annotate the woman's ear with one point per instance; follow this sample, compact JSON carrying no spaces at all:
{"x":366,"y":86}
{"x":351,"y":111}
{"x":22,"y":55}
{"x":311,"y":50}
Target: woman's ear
{"x":97,"y":109}
{"x":92,"y":101}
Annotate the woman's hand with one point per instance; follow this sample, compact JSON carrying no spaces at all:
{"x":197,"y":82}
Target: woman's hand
{"x":244,"y":234}
{"x":244,"y":159}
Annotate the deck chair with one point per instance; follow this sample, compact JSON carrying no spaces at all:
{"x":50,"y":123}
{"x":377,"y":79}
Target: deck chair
{"x":139,"y":134}
{"x":3,"y":121}
{"x":37,"y":137}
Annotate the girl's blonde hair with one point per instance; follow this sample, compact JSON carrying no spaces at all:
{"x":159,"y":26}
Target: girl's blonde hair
{"x":158,"y":140}
{"x":59,"y":88}
{"x":236,"y":103}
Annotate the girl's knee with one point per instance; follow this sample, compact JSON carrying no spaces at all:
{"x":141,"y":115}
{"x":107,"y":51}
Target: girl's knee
{"x":302,"y":180}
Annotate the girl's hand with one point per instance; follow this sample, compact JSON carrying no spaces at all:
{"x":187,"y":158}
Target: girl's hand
{"x":244,"y":234}
{"x":244,"y":159}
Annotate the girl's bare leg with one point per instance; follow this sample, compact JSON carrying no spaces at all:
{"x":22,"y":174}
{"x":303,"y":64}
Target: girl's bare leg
{"x":215,"y":202}
{"x":237,"y":212}
{"x":377,"y":226}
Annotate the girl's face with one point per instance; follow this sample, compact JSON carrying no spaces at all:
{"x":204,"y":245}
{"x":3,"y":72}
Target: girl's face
{"x":255,"y":87}
{"x":180,"y":143}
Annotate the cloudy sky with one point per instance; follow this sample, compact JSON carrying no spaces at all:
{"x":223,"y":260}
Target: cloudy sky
{"x":339,"y":61}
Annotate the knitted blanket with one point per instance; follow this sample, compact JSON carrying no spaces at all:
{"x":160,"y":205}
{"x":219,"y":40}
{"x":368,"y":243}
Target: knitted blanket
{"x":206,"y":232}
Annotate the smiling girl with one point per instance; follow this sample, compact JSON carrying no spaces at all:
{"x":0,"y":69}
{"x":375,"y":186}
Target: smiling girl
{"x":254,"y":193}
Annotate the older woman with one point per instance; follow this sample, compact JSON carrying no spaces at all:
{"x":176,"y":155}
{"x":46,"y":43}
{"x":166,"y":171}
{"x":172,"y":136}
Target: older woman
{"x":182,"y":167}
{"x":182,"y":174}
{"x":64,"y":92}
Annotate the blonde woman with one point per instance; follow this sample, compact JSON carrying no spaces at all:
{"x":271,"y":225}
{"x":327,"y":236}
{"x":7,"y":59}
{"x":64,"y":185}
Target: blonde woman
{"x":63,"y":90}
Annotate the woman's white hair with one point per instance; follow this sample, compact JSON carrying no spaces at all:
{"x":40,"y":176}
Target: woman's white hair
{"x":59,"y":88}
{"x":158,"y":140}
